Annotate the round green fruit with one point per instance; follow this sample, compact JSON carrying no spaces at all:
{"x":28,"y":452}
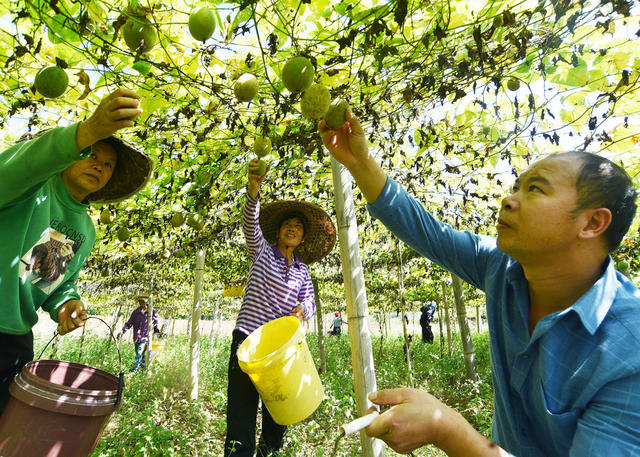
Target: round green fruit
{"x":139,"y":34}
{"x":123,"y":234}
{"x":180,"y":253}
{"x":261,"y":146}
{"x":336,"y":114}
{"x":513,"y":84}
{"x":51,"y":82}
{"x":202,"y":24}
{"x":177,"y":220}
{"x":622,"y":265}
{"x":105,"y":272}
{"x":315,"y":101}
{"x":195,"y":221}
{"x":297,"y":74}
{"x":106,"y":217}
{"x":262,"y":167}
{"x":139,"y":267}
{"x":246,"y":87}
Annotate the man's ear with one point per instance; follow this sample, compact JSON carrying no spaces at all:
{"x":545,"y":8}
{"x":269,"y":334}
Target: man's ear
{"x":597,"y":221}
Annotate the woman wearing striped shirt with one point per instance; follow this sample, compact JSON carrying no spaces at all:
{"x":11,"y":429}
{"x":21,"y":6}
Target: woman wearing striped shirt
{"x":278,"y":285}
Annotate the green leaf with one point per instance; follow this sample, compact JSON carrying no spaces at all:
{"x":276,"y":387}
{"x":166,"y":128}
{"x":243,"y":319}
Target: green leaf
{"x":142,"y":67}
{"x":598,"y":80}
{"x":59,"y":28}
{"x":150,"y":104}
{"x":577,"y":76}
{"x":241,"y":17}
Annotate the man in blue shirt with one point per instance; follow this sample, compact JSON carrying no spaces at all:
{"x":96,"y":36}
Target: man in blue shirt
{"x":565,"y":325}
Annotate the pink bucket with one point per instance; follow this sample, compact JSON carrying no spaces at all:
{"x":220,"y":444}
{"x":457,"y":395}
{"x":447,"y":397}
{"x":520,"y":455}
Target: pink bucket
{"x":57,"y":409}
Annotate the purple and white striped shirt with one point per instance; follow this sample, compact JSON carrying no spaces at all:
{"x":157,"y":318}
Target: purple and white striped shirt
{"x":273,"y":288}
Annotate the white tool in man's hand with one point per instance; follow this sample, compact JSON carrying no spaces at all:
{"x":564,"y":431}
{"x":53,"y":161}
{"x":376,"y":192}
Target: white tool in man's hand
{"x":359,"y":423}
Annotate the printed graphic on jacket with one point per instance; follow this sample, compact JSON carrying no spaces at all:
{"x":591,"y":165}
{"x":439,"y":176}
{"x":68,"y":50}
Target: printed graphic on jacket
{"x":45,"y":262}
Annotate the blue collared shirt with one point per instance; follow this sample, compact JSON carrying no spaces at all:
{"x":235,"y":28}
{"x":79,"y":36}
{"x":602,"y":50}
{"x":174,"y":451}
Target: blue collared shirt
{"x":572,"y":388}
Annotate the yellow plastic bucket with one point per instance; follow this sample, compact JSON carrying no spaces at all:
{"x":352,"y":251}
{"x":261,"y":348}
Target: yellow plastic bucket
{"x":277,"y":359}
{"x":157,"y":345}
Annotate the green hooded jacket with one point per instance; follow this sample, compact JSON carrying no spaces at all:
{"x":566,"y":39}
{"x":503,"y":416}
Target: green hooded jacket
{"x":45,"y":234}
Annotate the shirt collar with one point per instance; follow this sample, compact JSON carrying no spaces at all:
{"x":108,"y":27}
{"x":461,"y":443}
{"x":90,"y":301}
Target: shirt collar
{"x":278,"y":255}
{"x":514,"y":271}
{"x":65,"y":197}
{"x":593,"y":306}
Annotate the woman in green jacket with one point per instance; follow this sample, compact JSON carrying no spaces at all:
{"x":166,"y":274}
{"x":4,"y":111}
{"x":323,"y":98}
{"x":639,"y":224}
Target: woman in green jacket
{"x":46,"y":185}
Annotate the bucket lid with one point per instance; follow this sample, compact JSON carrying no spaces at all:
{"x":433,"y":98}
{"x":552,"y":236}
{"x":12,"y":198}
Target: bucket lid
{"x":66,"y":387}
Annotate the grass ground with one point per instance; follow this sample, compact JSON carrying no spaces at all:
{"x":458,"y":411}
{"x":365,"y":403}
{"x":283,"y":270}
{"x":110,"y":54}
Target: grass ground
{"x":156,"y":417}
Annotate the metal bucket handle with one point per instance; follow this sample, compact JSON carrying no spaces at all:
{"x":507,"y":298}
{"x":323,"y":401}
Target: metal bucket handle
{"x":120,"y":376}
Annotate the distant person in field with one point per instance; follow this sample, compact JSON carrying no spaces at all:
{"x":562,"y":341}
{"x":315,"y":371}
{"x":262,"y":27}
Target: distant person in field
{"x":47,"y":183}
{"x":139,"y":321}
{"x":336,"y":324}
{"x":426,"y":317}
{"x":282,"y":238}
{"x":564,"y":324}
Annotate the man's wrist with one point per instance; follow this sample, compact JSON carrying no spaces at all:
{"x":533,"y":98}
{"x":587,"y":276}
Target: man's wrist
{"x":370,"y":178}
{"x":458,"y":437}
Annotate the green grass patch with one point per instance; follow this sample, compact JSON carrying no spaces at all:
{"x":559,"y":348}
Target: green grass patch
{"x":157,"y":419}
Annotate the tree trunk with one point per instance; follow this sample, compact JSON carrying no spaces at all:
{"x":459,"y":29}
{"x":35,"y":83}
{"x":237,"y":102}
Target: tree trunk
{"x":364,"y":377}
{"x":323,"y":355}
{"x":212,"y":336}
{"x":440,"y":317}
{"x":387,"y":324}
{"x":114,"y":322}
{"x":195,"y":326}
{"x":465,"y":334}
{"x":149,"y":324}
{"x":84,"y":330}
{"x":446,"y":318}
{"x":478,"y":320}
{"x":405,"y":333}
{"x":125,"y":317}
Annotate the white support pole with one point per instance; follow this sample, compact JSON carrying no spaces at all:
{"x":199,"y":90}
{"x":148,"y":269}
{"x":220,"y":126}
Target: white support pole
{"x":364,"y":377}
{"x":195,"y":325}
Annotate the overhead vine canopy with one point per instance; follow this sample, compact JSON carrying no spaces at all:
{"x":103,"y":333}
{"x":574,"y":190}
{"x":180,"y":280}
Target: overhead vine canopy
{"x":455,"y":96}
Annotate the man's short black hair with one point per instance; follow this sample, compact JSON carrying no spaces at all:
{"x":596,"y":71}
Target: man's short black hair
{"x":290,"y":215}
{"x":600,"y":183}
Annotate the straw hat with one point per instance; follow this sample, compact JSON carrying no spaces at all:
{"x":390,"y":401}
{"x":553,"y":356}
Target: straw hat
{"x":142,"y":296}
{"x":319,"y":235}
{"x":132,"y":172}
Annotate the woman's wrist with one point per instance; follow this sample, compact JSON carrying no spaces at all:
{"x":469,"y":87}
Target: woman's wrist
{"x":253,"y":190}
{"x":84,"y":138}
